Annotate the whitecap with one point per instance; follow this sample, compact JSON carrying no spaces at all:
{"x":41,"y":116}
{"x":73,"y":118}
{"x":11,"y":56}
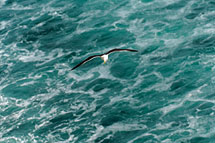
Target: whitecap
{"x":2,"y":2}
{"x":116,"y":127}
{"x":204,"y":29}
{"x":32,"y":56}
{"x":28,"y":83}
{"x":143,"y":135}
{"x":3,"y":24}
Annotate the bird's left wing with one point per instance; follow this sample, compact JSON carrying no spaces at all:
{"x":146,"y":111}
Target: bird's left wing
{"x":86,"y":60}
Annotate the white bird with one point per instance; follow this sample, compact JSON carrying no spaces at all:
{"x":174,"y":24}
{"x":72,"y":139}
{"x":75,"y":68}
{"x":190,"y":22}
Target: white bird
{"x":104,"y":56}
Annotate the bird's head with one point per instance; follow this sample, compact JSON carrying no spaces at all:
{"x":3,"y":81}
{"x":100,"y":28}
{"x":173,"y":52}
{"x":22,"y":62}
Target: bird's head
{"x":104,"y":58}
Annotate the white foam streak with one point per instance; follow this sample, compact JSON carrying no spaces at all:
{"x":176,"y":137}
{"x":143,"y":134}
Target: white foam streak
{"x":2,"y":2}
{"x":3,"y":24}
{"x":143,"y":135}
{"x":205,"y":29}
{"x":116,"y":127}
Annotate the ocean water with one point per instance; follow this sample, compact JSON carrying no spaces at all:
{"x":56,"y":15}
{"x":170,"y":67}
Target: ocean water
{"x":165,"y":93}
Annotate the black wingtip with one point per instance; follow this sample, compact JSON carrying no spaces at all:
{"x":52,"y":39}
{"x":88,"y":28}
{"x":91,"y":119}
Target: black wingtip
{"x":72,"y":69}
{"x":131,"y":50}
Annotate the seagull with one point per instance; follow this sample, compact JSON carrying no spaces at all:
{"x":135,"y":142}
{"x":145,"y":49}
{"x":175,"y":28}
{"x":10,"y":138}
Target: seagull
{"x":104,"y":56}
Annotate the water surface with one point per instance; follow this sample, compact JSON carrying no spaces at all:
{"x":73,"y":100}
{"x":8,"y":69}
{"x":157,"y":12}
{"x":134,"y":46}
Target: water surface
{"x":162,"y":94}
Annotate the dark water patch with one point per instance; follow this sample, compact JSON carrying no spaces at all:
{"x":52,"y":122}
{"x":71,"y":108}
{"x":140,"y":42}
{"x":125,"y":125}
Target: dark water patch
{"x":21,"y":2}
{"x":61,"y":136}
{"x":201,"y":139}
{"x":24,"y":92}
{"x":81,"y":133}
{"x":191,"y":15}
{"x":80,"y":84}
{"x":84,"y":39}
{"x":65,"y":101}
{"x":120,"y":71}
{"x":148,"y":69}
{"x":103,"y":83}
{"x":99,"y":22}
{"x":63,"y":118}
{"x":46,"y":129}
{"x":114,"y":114}
{"x":122,"y":25}
{"x":175,"y":136}
{"x":21,"y":129}
{"x":197,"y":10}
{"x":75,"y":9}
{"x":148,"y":81}
{"x":12,"y":37}
{"x":160,"y":59}
{"x":145,"y":96}
{"x":178,"y":118}
{"x":102,"y":102}
{"x":137,"y":15}
{"x":6,"y":14}
{"x":147,"y":1}
{"x":174,"y":29}
{"x":120,"y":4}
{"x":52,"y":27}
{"x":212,"y":3}
{"x":109,"y":120}
{"x":11,"y":14}
{"x":159,"y":25}
{"x":184,"y":51}
{"x":115,"y":38}
{"x":124,"y":67}
{"x":177,"y":5}
{"x":206,"y":105}
{"x":204,"y":44}
{"x":150,"y":49}
{"x":192,"y":106}
{"x":189,"y":79}
{"x":151,"y":119}
{"x":3,"y":70}
{"x":147,"y":138}
{"x":167,"y":70}
{"x":210,"y":96}
{"x":205,"y":113}
{"x":150,"y":113}
{"x":178,"y":87}
{"x":101,"y":5}
{"x":120,"y":136}
{"x":178,"y":84}
{"x":60,"y":4}
{"x":12,"y":109}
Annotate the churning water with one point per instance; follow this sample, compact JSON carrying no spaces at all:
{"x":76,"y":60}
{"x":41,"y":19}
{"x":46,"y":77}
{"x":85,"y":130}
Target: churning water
{"x":165,"y":93}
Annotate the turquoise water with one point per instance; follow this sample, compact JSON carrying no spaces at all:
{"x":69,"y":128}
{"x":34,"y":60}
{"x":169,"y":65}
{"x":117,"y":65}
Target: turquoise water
{"x":162,"y":94}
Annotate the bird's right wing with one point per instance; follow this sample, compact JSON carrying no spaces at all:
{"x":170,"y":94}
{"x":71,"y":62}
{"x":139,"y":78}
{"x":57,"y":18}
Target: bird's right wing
{"x":84,"y":61}
{"x":119,"y":50}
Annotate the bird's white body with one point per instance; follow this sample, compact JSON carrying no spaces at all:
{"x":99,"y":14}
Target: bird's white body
{"x":105,"y":58}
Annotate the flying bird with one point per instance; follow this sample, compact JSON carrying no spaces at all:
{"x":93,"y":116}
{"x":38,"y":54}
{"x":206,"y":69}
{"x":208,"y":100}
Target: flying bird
{"x":104,"y":56}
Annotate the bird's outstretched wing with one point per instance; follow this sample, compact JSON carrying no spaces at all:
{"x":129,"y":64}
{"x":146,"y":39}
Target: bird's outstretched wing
{"x":86,"y":60}
{"x":118,"y":50}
